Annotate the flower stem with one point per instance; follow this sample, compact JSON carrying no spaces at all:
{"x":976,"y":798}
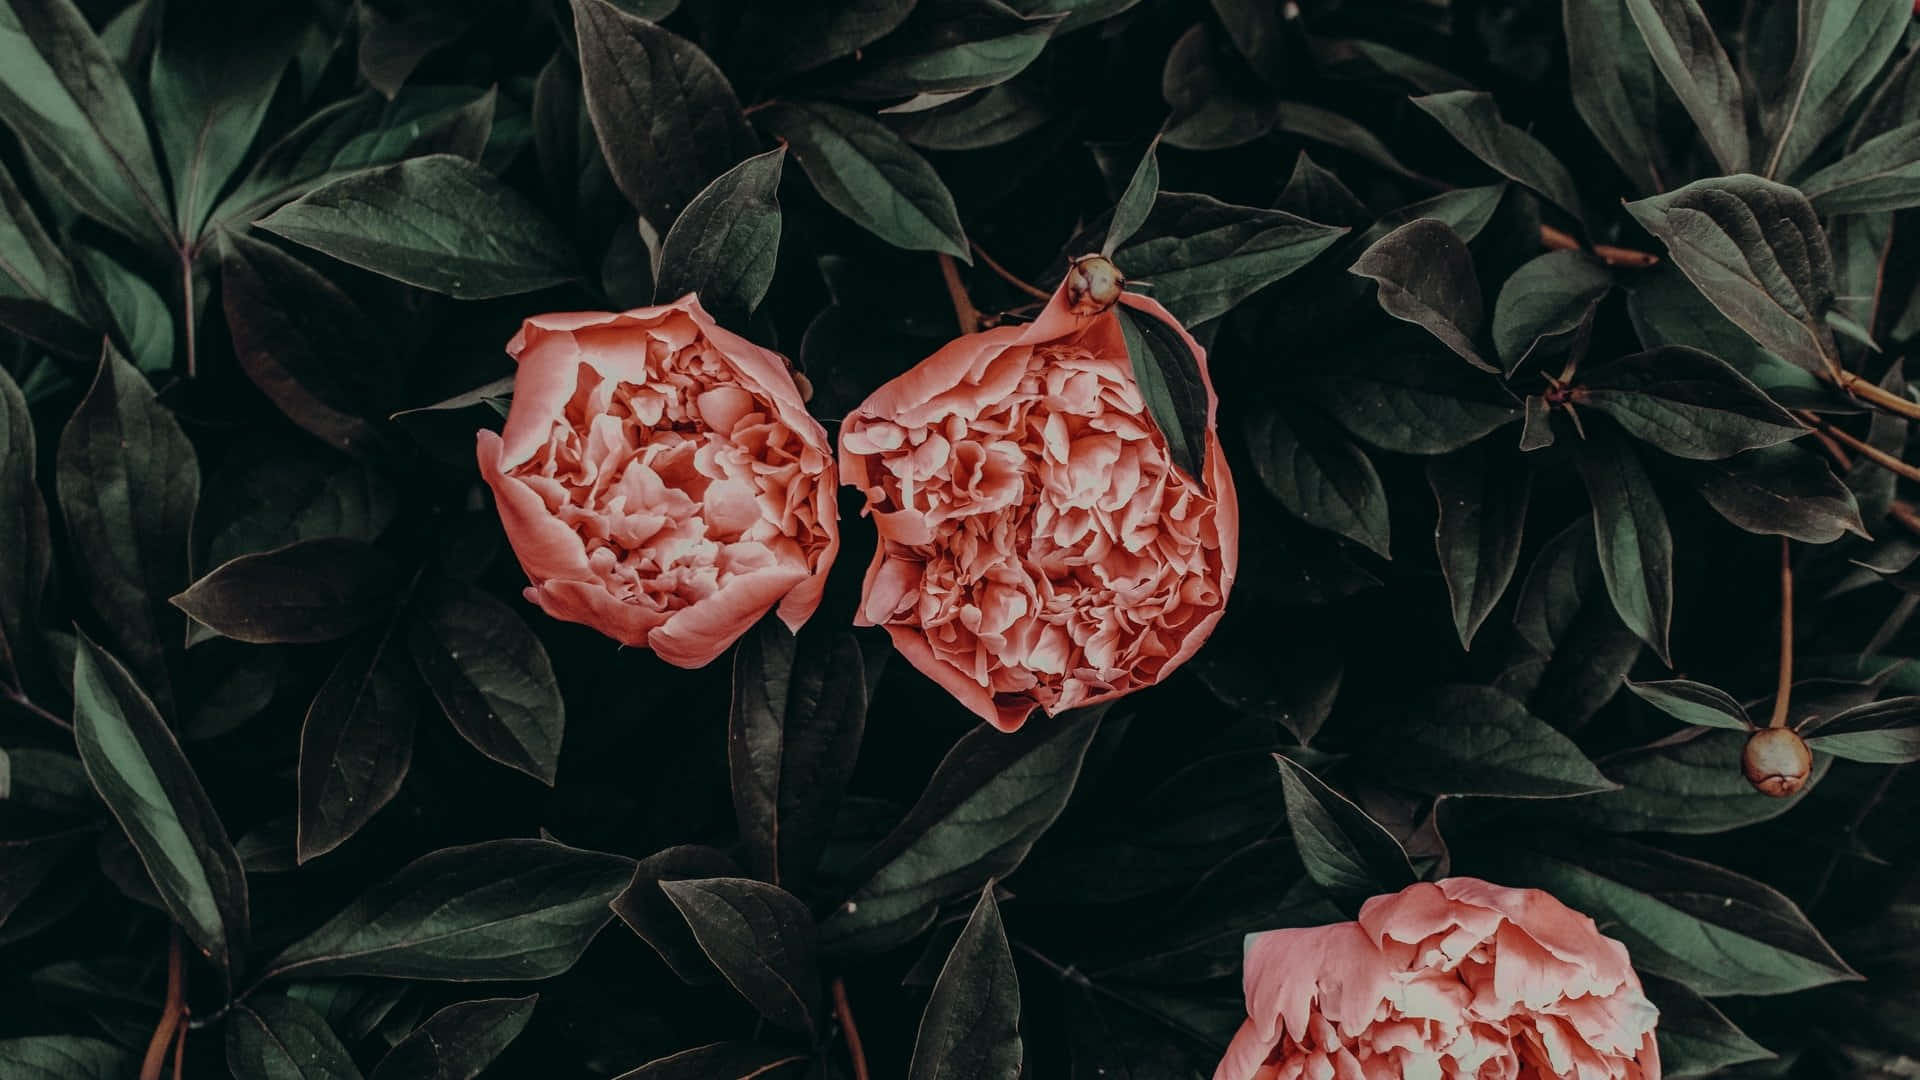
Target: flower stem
{"x":186,"y":308}
{"x":844,"y":1011}
{"x":963,"y":310}
{"x":1009,"y":276}
{"x":1869,"y":451}
{"x":1873,"y":394}
{"x":1784,"y":691}
{"x":172,"y":1013}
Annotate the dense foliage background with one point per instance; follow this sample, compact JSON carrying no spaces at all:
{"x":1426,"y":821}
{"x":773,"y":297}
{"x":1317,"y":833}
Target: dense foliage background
{"x":1543,"y":338}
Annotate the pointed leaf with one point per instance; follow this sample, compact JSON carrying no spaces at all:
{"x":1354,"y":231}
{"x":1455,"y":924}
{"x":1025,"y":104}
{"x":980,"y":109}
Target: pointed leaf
{"x":644,"y":907}
{"x":1879,"y":733}
{"x":1319,"y":475}
{"x":278,"y":1038}
{"x":1346,"y":853}
{"x":1167,"y":372}
{"x":1842,"y":45}
{"x":1483,"y":509}
{"x":32,"y":266}
{"x":23,"y":533}
{"x":136,"y":765}
{"x":1475,"y":740}
{"x":949,"y":46}
{"x":64,"y":1057}
{"x":723,"y":246}
{"x":1547,"y":296}
{"x":718,"y":1061}
{"x":1693,"y":703}
{"x":761,"y":938}
{"x":869,"y":174}
{"x":439,"y":222}
{"x":1683,"y":46}
{"x":780,"y":40}
{"x":497,"y":910}
{"x":1630,"y":527}
{"x":1883,"y":173}
{"x":1204,"y":256}
{"x":1426,"y":278}
{"x":1137,"y":201}
{"x":1686,"y":402}
{"x":492,"y":677}
{"x":993,"y":117}
{"x":459,"y":1041}
{"x":308,"y":591}
{"x":1473,"y":119}
{"x":1616,"y":88}
{"x":1690,"y":783}
{"x":1697,"y":1039}
{"x":971,"y":1027}
{"x":356,"y":745}
{"x":1780,"y":490}
{"x":1410,"y":401}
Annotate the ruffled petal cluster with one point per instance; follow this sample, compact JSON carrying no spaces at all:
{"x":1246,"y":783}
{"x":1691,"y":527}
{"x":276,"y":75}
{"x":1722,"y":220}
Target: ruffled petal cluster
{"x":1451,"y":980}
{"x":1038,"y":546}
{"x":661,"y":480}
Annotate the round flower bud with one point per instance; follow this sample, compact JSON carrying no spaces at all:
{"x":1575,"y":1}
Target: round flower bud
{"x":1776,"y":762}
{"x":1093,"y":284}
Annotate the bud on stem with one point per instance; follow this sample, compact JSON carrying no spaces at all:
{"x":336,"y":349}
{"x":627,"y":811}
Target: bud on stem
{"x":1777,"y":761}
{"x":1094,"y":284}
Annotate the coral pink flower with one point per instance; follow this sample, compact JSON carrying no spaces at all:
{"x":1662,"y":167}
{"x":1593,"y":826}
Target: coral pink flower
{"x":660,"y":479}
{"x":1453,"y":979}
{"x":1038,"y":547}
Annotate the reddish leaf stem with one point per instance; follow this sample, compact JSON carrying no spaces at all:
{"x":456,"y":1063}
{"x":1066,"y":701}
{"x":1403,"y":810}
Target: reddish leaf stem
{"x":1785,"y":687}
{"x":171,"y":1013}
{"x":844,"y":1011}
{"x":963,"y":309}
{"x":1009,"y":276}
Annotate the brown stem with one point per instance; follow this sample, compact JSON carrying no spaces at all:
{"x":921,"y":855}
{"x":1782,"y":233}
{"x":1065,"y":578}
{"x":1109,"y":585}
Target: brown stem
{"x":845,"y":1012}
{"x":1557,"y":240}
{"x":1785,"y":687}
{"x":170,"y":1014}
{"x":1009,"y":276}
{"x":963,"y":309}
{"x":1872,"y":453}
{"x":21,"y":702}
{"x":1906,"y":515}
{"x":180,"y":1053}
{"x":186,"y":307}
{"x":1877,"y":396}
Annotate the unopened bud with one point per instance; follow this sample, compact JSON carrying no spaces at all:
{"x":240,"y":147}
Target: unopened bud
{"x":1093,"y":284}
{"x":1777,"y":761}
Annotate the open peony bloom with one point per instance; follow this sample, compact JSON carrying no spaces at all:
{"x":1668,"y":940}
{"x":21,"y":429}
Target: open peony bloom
{"x":1038,"y":548}
{"x":1453,"y":979}
{"x":661,"y":480}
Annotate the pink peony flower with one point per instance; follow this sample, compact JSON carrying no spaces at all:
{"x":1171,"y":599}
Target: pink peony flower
{"x":660,"y":479}
{"x":1038,"y":547}
{"x":1453,"y":979}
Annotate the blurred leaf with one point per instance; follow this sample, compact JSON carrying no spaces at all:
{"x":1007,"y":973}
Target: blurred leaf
{"x":137,"y":767}
{"x":1426,"y":278}
{"x":777,"y":40}
{"x":356,"y":744}
{"x":1630,"y":529}
{"x":1693,"y":703}
{"x":1475,"y":740}
{"x":459,"y":1041}
{"x":992,"y":117}
{"x":63,"y":96}
{"x":867,"y":173}
{"x":799,"y":711}
{"x":950,"y":45}
{"x":1482,"y":501}
{"x":270,"y":492}
{"x":1204,"y":256}
{"x":491,"y":675}
{"x":1755,"y":249}
{"x":990,"y":799}
{"x":644,"y":907}
{"x":1697,"y":1039}
{"x":439,"y":222}
{"x":1168,"y":374}
{"x":1882,"y":174}
{"x":1546,"y":297}
{"x":1321,"y":125}
{"x":1780,"y":490}
{"x":1136,"y":203}
{"x":1319,"y":195}
{"x":1319,"y":475}
{"x":1684,"y":48}
{"x":761,"y":938}
{"x":1690,"y":783}
{"x":1686,"y":402}
{"x":1347,"y":853}
{"x":1210,"y":111}
{"x":496,"y":910}
{"x":277,"y":1038}
{"x":26,"y":862}
{"x":1841,"y":46}
{"x":971,"y":1027}
{"x":717,"y":1061}
{"x":23,"y":521}
{"x":1708,"y":929}
{"x":393,"y":45}
{"x":308,"y":591}
{"x":1616,"y":88}
{"x":1411,"y":402}
{"x":64,"y":1057}
{"x":1474,"y":121}
{"x":666,"y":115}
{"x":1880,"y":733}
{"x":723,"y":246}
{"x":128,"y":483}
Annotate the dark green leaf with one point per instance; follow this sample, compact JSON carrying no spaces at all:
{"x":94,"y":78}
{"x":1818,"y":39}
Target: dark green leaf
{"x":1696,"y":1039}
{"x":1322,"y":125}
{"x":1464,"y":210}
{"x":1842,"y":45}
{"x":717,"y":1061}
{"x":393,"y":44}
{"x":1411,"y":401}
{"x":137,"y":767}
{"x":866,"y":172}
{"x":1475,"y":740}
{"x":492,"y":677}
{"x":1136,"y":203}
{"x":1683,"y":46}
{"x":644,"y":906}
{"x":1879,"y":733}
{"x":23,"y":533}
{"x":971,"y":1027}
{"x":128,"y":482}
{"x":992,"y":117}
{"x":1547,"y":296}
{"x":1616,"y":88}
{"x":1482,"y":501}
{"x":1314,"y":193}
{"x":1780,"y":490}
{"x":308,"y":591}
{"x":1426,"y":278}
{"x":64,"y":1057}
{"x":439,"y":222}
{"x":1630,"y":529}
{"x":1686,"y":402}
{"x":1536,"y":428}
{"x":277,"y":1038}
{"x":1167,"y":371}
{"x":271,"y":492}
{"x":306,"y":344}
{"x":948,"y":46}
{"x":990,"y":799}
{"x":1210,"y":110}
{"x":1709,"y":929}
{"x":1346,"y":853}
{"x":1882,"y":174}
{"x":459,"y":1041}
{"x":1693,"y":703}
{"x":799,"y":711}
{"x":356,"y":745}
{"x":32,"y":266}
{"x":667,"y":117}
{"x":761,"y":938}
{"x":1755,"y":249}
{"x":1690,"y":783}
{"x":783,"y":39}
{"x":1204,"y":256}
{"x":63,"y":95}
{"x":142,"y":324}
{"x":723,"y":246}
{"x":1319,"y":475}
{"x":497,"y":910}
{"x":1474,"y":121}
